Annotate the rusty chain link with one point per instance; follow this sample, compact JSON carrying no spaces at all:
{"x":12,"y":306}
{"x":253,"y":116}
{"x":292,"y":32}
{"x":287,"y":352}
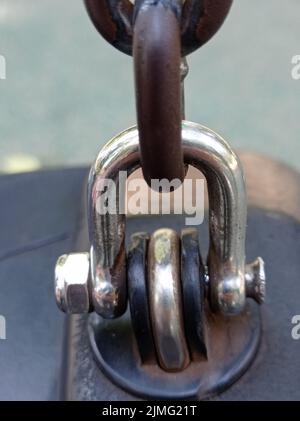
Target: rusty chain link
{"x":200,"y":20}
{"x":158,"y":33}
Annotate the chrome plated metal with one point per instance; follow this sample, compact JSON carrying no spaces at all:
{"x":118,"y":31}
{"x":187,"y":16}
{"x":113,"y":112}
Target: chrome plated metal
{"x":256,"y":280}
{"x":208,"y":152}
{"x":71,"y":283}
{"x":107,"y":231}
{"x":165,"y":300}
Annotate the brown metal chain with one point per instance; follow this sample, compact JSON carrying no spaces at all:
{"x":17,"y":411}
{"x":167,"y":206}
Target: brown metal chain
{"x":156,"y":52}
{"x":201,"y":19}
{"x":158,"y":33}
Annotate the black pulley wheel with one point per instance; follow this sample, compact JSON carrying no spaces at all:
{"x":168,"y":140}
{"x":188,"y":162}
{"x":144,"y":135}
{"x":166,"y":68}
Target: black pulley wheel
{"x":138,"y":296}
{"x":193,"y":289}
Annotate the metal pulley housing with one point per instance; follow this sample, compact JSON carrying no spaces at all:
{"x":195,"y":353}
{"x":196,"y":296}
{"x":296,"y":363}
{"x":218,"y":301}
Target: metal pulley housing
{"x":165,"y":278}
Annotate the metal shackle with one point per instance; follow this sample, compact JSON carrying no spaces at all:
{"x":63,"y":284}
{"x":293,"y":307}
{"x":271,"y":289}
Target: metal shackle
{"x":229,"y":279}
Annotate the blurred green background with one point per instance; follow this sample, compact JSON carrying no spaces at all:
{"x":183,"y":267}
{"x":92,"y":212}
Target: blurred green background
{"x":67,"y":91}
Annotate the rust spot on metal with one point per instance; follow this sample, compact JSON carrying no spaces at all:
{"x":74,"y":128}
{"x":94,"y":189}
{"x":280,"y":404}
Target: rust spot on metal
{"x":200,"y":20}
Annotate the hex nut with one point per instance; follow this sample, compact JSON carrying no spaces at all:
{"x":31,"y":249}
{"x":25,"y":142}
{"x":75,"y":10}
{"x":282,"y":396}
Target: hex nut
{"x":72,"y":273}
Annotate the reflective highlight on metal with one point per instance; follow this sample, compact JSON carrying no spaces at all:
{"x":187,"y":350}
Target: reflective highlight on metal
{"x":71,"y":283}
{"x":209,"y":152}
{"x":165,"y":300}
{"x":256,"y":280}
{"x":184,"y":70}
{"x":206,"y":151}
